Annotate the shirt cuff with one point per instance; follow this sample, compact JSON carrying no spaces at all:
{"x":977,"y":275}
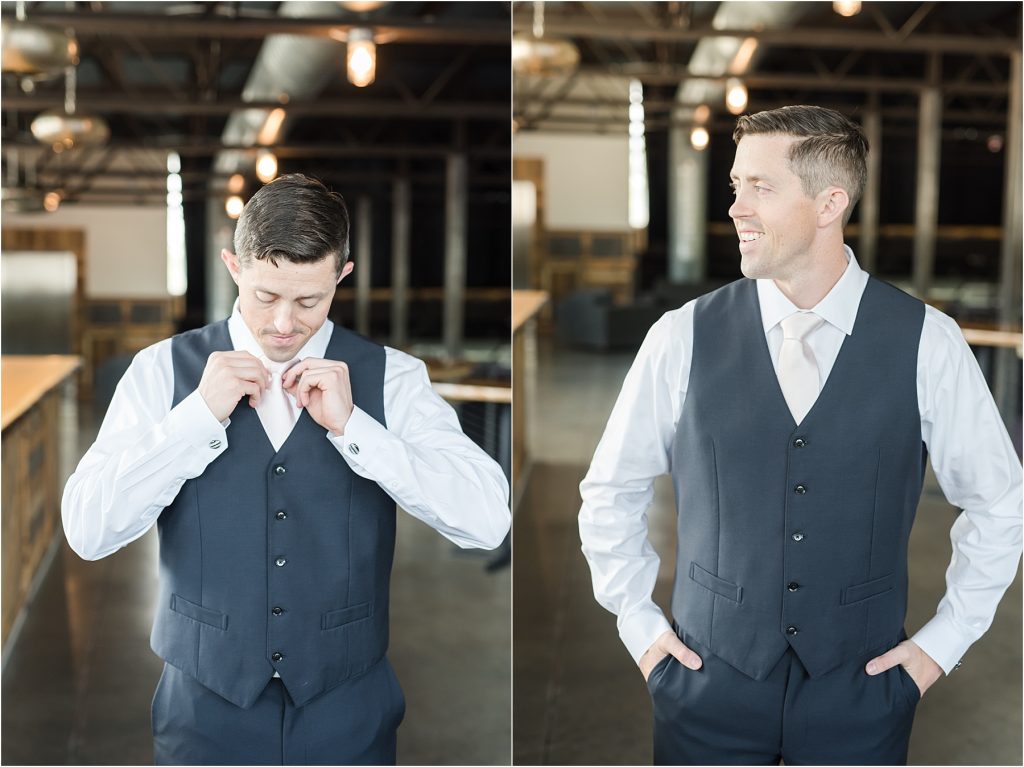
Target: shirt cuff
{"x":363,"y":435}
{"x":943,"y":642}
{"x":639,"y":630}
{"x":192,"y":421}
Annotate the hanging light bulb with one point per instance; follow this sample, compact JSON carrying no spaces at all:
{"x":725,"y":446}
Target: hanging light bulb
{"x":846,"y":7}
{"x":266,"y":166}
{"x":51,"y":202}
{"x":699,"y":138}
{"x":735,"y":95}
{"x":361,"y":58}
{"x":236,"y":183}
{"x":234,"y":206}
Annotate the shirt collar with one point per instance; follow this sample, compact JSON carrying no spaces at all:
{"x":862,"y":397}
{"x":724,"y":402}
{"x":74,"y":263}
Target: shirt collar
{"x":243,"y":341}
{"x":838,"y":307}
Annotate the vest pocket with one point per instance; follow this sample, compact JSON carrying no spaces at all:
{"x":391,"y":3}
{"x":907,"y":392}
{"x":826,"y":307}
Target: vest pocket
{"x":336,"y":618}
{"x":867,"y":590}
{"x":713,"y":583}
{"x":198,"y":613}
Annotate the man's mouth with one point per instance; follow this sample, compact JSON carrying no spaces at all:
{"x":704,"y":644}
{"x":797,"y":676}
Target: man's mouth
{"x":750,"y":236}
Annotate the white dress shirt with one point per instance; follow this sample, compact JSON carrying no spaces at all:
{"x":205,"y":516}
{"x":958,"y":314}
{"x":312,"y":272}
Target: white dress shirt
{"x":146,"y":450}
{"x":971,"y":454}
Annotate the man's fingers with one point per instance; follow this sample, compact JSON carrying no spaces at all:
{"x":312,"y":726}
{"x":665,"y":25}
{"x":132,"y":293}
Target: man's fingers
{"x":884,"y":662}
{"x":684,"y":654}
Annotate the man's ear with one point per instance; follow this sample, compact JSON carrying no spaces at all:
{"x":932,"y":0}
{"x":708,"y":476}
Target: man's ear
{"x":231,"y":262}
{"x":832,"y":204}
{"x":346,"y":270}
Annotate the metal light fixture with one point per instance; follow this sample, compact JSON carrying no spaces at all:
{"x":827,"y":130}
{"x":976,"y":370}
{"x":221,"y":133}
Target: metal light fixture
{"x":66,"y":129}
{"x":735,"y":95}
{"x":266,"y":166}
{"x":543,"y":56}
{"x":233,"y":206}
{"x":361,"y":57}
{"x":846,"y":7}
{"x":36,"y":50}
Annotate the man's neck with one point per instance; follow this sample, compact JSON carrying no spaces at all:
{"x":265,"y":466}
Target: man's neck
{"x":806,"y":289}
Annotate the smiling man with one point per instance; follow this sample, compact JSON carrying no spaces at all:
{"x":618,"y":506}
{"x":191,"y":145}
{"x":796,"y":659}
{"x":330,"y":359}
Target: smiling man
{"x":795,"y":410}
{"x":270,"y":449}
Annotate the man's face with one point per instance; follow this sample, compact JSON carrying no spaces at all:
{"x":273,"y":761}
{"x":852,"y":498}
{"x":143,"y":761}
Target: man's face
{"x":284,"y":305}
{"x":776,"y":222}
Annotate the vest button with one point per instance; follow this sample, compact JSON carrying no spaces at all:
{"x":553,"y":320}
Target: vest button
{"x":793,"y":586}
{"x":280,"y":561}
{"x":799,"y":442}
{"x":282,"y":514}
{"x":279,"y":470}
{"x":791,"y":631}
{"x":799,"y":489}
{"x":276,"y":657}
{"x":277,"y":611}
{"x":798,"y":536}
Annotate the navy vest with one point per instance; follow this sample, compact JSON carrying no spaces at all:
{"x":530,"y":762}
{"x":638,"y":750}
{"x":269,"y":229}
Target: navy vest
{"x":276,"y":560}
{"x":796,"y":536}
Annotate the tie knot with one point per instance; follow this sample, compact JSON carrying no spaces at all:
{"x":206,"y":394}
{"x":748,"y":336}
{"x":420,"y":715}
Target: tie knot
{"x":277,"y":369}
{"x":798,"y":326}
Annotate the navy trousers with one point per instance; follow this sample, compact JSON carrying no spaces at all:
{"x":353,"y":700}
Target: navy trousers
{"x":718,"y":715}
{"x":354,"y":723}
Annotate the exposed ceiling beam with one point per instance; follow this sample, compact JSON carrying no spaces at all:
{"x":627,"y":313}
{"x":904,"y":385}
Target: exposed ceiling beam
{"x":155,"y":25}
{"x":207,"y":148}
{"x":322,"y":107}
{"x":628,"y":28}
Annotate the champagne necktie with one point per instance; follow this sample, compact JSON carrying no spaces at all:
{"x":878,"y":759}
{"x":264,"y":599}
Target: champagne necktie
{"x":277,"y":410}
{"x":798,"y":370}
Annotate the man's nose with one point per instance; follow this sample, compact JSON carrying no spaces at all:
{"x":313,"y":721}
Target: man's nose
{"x":283,"y":318}
{"x":739,"y":208}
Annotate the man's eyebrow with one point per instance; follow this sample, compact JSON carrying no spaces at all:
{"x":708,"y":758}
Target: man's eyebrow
{"x":310,"y":297}
{"x":734,"y":177}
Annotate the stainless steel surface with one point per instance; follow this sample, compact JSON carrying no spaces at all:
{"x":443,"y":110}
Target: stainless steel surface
{"x":38,"y":297}
{"x":926,"y":208}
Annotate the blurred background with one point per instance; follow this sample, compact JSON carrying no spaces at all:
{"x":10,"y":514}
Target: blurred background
{"x":133,"y":133}
{"x":623,"y":117}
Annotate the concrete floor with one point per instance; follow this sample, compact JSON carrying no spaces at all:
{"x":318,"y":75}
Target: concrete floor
{"x":579,"y":698}
{"x":78,"y":684}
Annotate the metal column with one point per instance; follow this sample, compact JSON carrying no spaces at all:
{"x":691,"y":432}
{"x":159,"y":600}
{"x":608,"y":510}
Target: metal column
{"x":687,"y":208}
{"x":454,"y":254}
{"x":867,"y":249}
{"x":1008,"y":365}
{"x":401,"y":213}
{"x":926,"y":210}
{"x":364,"y":244}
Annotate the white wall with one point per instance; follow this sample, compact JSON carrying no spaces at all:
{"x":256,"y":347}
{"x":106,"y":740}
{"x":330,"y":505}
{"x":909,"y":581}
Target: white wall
{"x":126,"y":248}
{"x":585,"y":178}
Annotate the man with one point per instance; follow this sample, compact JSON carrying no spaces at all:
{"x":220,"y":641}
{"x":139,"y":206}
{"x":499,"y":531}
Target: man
{"x":271,"y":449}
{"x":795,"y":411}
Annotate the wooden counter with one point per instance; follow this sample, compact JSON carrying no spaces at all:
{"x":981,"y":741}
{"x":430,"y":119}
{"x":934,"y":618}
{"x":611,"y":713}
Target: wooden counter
{"x":32,"y":489}
{"x":525,"y":306}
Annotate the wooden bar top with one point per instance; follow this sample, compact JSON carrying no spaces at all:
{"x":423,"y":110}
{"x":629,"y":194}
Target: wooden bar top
{"x":525,"y":304}
{"x":26,"y":378}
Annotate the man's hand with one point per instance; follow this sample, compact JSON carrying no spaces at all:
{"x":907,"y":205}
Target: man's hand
{"x":324,"y":389}
{"x":668,"y":644}
{"x":922,"y":669}
{"x":229,"y":376}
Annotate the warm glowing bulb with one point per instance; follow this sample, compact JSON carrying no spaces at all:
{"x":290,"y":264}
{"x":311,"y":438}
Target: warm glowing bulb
{"x":234,"y":206}
{"x":361,"y":58}
{"x":735,"y":95}
{"x":701,"y":114}
{"x":699,"y":139}
{"x":51,"y":202}
{"x":266,"y":167}
{"x":236,"y":183}
{"x":846,"y":7}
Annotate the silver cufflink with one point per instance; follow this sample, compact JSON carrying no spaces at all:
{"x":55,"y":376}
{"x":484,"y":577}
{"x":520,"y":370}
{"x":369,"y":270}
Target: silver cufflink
{"x":353,"y":448}
{"x":214,"y":444}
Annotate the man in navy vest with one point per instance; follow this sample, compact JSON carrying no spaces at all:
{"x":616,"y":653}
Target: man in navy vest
{"x":271,"y":449}
{"x":795,"y":411}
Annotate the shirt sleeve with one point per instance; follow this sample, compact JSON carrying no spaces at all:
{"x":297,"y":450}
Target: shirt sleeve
{"x":143,"y":454}
{"x":619,"y":487}
{"x":979,"y":472}
{"x":425,"y":462}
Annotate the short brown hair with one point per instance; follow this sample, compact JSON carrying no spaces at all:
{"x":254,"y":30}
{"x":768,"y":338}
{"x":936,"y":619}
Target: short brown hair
{"x":295,"y":218}
{"x":833,"y":151}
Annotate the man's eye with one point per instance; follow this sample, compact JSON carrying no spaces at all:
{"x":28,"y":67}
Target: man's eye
{"x":308,"y":306}
{"x":264,"y":300}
